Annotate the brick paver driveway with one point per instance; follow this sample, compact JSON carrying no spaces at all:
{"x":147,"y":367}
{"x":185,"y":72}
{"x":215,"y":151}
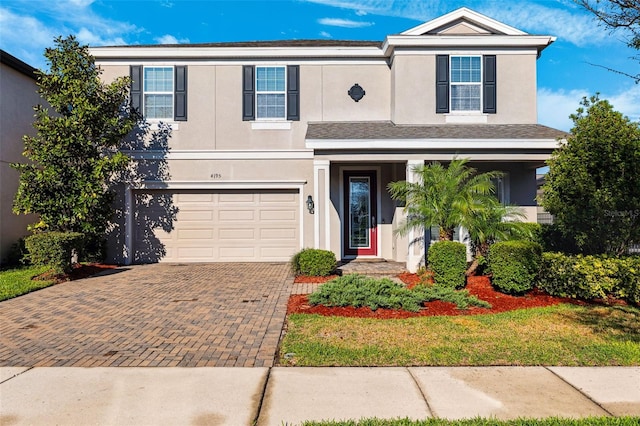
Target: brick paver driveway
{"x":224,"y":314}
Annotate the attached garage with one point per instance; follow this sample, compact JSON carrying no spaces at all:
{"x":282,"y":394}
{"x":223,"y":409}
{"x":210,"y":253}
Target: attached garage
{"x":215,"y":225}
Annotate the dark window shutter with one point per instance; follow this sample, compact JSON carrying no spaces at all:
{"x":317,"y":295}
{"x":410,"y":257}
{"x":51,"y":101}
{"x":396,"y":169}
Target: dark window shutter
{"x":489,"y":84}
{"x":248,"y":93}
{"x":293,"y":92}
{"x":180,"y":94}
{"x":135,"y":72}
{"x":442,"y":83}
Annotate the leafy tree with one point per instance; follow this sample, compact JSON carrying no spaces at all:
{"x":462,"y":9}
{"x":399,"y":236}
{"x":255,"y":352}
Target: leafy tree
{"x":73,"y":158}
{"x":593,"y":184}
{"x":490,"y":223}
{"x":443,"y":196}
{"x":618,"y":15}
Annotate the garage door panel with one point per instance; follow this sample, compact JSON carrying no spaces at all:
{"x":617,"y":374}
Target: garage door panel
{"x":195,"y":234}
{"x":237,"y":234}
{"x":221,"y":225}
{"x":235,"y":215}
{"x":271,"y":234}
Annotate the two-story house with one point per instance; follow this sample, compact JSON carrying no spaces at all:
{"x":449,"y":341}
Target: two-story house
{"x":18,"y":96}
{"x":276,"y":146}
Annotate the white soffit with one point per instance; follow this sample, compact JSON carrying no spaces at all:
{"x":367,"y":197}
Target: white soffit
{"x":464,"y":14}
{"x":461,"y":144}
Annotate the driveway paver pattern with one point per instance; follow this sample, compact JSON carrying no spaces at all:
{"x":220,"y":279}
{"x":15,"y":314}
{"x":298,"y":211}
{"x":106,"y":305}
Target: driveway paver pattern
{"x":164,"y":315}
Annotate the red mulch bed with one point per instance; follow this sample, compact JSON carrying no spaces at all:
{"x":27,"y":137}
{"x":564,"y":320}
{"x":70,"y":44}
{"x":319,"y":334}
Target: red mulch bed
{"x":79,"y":271}
{"x":478,"y":286}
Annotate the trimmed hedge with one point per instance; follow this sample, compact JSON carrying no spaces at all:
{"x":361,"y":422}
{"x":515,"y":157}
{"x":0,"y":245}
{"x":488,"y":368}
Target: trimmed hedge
{"x":590,"y":277}
{"x":515,"y":265}
{"x":314,"y":262}
{"x":448,"y":262}
{"x":53,"y":249}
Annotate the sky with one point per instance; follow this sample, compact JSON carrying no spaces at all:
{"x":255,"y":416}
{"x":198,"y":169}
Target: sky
{"x":572,"y":67}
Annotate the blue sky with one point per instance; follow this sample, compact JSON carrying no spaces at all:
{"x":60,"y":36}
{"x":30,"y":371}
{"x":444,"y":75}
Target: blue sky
{"x":565,"y":70}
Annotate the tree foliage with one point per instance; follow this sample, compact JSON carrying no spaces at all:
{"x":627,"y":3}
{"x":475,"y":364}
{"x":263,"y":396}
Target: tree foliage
{"x":443,"y":196}
{"x":74,"y":157}
{"x":621,"y":15}
{"x":593,"y":184}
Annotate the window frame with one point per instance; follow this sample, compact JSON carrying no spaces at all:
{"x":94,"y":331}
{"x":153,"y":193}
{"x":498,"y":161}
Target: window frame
{"x":283,"y":92}
{"x":480,"y":84}
{"x":171,"y":92}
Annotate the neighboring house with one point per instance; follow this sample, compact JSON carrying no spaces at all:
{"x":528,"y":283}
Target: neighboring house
{"x":18,"y":96}
{"x":282,"y":145}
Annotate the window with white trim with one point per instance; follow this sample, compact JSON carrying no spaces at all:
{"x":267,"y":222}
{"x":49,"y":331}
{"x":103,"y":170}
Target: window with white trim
{"x":466,"y":83}
{"x":271,"y":93}
{"x":158,"y":93}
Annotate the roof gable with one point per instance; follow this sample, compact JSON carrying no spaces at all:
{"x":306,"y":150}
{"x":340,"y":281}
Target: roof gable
{"x":463,"y":21}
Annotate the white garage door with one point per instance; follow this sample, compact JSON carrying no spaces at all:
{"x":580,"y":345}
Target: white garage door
{"x":216,"y":226}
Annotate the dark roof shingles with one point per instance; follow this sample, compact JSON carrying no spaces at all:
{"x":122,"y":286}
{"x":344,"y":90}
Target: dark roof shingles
{"x":388,"y":130}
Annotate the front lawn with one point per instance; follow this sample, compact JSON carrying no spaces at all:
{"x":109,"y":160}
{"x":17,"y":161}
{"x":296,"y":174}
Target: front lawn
{"x":565,"y":334}
{"x":15,"y":282}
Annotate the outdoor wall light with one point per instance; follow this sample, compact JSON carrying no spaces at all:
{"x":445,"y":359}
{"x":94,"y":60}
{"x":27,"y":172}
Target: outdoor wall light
{"x":310,"y":204}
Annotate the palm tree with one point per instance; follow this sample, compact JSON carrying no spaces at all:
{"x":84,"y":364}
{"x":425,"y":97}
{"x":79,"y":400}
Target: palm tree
{"x":490,"y":223}
{"x":443,"y":196}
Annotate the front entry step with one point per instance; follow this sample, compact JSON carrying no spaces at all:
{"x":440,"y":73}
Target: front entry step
{"x":371,"y":267}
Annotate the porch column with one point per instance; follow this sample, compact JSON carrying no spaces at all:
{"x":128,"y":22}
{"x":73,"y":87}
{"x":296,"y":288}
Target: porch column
{"x":321,"y":196}
{"x":415,"y":251}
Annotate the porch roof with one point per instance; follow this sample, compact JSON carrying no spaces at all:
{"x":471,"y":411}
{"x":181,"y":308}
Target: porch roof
{"x":384,"y":130}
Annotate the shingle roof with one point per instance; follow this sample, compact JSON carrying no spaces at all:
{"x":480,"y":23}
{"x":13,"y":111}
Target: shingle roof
{"x":388,"y":130}
{"x":268,"y":43}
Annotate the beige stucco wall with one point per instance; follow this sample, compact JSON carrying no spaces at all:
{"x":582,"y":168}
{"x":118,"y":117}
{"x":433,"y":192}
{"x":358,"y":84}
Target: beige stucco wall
{"x":18,"y":96}
{"x":413,"y":86}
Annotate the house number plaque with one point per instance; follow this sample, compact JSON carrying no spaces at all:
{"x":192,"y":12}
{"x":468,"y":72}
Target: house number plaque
{"x":356,"y":92}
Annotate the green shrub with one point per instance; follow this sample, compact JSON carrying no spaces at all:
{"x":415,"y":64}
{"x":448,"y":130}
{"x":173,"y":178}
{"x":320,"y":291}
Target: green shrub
{"x":359,"y":290}
{"x":529,"y":231}
{"x":448,"y":262}
{"x":552,"y":239}
{"x":53,"y":249}
{"x":515,"y":265}
{"x":590,"y":277}
{"x":314,"y":262}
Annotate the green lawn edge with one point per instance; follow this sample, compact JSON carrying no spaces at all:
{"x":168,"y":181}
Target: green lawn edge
{"x":552,"y":421}
{"x":18,"y":281}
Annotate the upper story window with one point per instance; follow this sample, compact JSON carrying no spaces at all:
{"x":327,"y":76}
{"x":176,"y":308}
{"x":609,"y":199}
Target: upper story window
{"x":466,"y":83}
{"x":158,"y":92}
{"x":270,"y":92}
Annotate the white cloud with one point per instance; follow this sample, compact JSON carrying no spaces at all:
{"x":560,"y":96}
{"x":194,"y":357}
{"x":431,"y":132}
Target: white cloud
{"x":325,"y":34}
{"x":344,"y":23}
{"x":86,"y":36}
{"x":80,"y":3}
{"x":560,"y":19}
{"x":554,"y":107}
{"x":361,"y":12}
{"x":169,"y":39}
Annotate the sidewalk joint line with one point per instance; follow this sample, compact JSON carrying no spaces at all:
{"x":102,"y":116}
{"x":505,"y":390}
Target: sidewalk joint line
{"x":580,"y":391}
{"x":264,"y":392}
{"x":424,"y":397}
{"x":16,"y":375}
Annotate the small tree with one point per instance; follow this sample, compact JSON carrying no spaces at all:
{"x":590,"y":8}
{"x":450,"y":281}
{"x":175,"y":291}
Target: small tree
{"x":593,"y":184}
{"x":490,"y":223}
{"x":443,"y":196}
{"x":73,"y":158}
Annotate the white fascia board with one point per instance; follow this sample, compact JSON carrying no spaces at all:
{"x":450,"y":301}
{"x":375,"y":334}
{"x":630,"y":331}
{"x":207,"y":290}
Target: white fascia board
{"x":219,"y":155}
{"x":186,"y":52}
{"x":230,"y":184}
{"x":468,"y":15}
{"x":460,"y":41}
{"x":431,"y":144}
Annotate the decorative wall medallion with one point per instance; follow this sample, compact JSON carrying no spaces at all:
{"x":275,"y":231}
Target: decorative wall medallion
{"x":356,"y":92}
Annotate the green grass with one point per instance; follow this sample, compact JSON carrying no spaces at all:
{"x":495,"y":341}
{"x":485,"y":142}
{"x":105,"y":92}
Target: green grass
{"x":15,"y":282}
{"x":555,"y":421}
{"x":558,"y":335}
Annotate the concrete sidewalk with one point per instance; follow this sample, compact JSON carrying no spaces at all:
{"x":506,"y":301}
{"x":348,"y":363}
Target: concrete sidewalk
{"x":279,"y":395}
